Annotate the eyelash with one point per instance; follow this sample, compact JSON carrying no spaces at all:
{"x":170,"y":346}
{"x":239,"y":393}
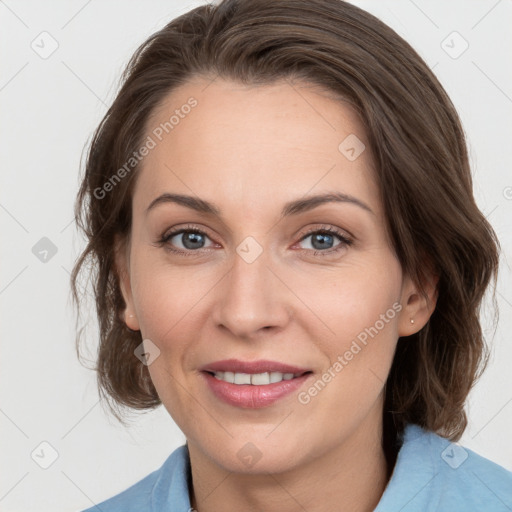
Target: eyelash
{"x":345,"y":241}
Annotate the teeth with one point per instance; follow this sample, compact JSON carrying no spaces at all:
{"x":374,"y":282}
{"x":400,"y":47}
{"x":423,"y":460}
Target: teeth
{"x":256,"y":379}
{"x":260,"y":379}
{"x":276,"y":377}
{"x":242,"y":378}
{"x":228,"y":377}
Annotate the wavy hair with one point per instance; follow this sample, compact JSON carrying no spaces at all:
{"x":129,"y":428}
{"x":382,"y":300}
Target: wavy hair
{"x":422,"y":171}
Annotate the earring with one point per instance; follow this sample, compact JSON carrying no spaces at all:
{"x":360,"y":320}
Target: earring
{"x":412,"y":320}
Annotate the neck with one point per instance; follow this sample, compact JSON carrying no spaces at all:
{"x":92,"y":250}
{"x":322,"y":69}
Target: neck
{"x":349,"y":477}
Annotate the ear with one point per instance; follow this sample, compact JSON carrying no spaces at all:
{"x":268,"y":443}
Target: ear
{"x":416,"y":306}
{"x":122,"y":267}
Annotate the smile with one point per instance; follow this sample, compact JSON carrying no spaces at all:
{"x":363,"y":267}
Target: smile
{"x":255,"y":379}
{"x":252,"y":384}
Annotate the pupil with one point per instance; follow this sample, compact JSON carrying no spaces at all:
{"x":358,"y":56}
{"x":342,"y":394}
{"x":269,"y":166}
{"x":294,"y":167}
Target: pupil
{"x":192,"y":240}
{"x":322,"y":239}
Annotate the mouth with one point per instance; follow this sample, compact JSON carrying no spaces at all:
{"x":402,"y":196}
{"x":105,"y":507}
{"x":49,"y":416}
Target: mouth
{"x":255,"y":379}
{"x":253,"y":384}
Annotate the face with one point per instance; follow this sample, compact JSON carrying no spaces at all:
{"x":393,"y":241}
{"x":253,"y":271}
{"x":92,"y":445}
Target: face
{"x":262,"y":275}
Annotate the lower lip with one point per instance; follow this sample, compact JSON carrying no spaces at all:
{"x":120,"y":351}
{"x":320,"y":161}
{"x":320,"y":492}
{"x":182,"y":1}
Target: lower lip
{"x":253,"y":397}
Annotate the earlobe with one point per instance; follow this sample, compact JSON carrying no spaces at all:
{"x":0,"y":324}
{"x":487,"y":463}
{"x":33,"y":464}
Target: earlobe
{"x":130,"y":319}
{"x":131,"y":322}
{"x":121,"y":268}
{"x":418,"y":307}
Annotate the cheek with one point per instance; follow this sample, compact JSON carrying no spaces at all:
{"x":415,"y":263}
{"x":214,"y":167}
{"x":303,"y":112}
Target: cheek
{"x":167,"y":296}
{"x":167,"y":308}
{"x":359,"y":310}
{"x":352,"y":298}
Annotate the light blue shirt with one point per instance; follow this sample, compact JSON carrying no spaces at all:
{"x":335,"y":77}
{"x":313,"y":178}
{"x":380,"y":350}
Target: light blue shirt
{"x":430,"y":474}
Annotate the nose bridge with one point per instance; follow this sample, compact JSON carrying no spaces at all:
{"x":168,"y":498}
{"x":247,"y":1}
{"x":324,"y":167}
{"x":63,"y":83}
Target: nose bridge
{"x":252,"y":297}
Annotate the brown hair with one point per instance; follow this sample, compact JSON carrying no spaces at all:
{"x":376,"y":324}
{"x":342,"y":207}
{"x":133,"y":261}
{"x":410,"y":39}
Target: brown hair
{"x":419,"y":152}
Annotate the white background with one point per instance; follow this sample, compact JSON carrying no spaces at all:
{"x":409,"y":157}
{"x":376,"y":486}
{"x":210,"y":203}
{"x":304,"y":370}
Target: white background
{"x":49,"y":109}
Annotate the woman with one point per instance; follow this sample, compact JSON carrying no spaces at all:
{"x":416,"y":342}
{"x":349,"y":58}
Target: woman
{"x":280,"y":215}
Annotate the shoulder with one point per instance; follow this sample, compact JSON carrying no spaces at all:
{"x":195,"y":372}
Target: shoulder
{"x":432,"y":473}
{"x":157,"y":491}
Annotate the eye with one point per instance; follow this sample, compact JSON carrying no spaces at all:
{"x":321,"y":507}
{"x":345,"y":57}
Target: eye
{"x":323,"y":240}
{"x":191,"y":239}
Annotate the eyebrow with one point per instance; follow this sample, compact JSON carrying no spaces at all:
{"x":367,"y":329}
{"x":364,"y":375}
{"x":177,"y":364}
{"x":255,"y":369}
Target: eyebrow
{"x":291,"y":208}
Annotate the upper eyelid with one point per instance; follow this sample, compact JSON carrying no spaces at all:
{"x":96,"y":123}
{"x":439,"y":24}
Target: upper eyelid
{"x":342,"y":233}
{"x":329,"y":229}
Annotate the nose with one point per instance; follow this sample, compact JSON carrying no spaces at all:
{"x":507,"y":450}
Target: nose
{"x":251,"y":298}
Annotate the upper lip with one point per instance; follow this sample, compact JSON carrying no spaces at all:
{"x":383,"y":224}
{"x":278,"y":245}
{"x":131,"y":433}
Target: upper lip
{"x":260,"y":366}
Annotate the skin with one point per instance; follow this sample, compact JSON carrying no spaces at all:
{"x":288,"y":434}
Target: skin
{"x":250,"y":150}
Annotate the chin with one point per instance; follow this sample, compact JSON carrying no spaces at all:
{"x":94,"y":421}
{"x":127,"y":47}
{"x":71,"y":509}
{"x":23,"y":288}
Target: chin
{"x":258,"y":453}
{"x":255,"y":462}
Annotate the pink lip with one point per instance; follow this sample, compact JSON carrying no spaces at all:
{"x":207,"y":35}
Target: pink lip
{"x":249,"y":396}
{"x":261,"y":366}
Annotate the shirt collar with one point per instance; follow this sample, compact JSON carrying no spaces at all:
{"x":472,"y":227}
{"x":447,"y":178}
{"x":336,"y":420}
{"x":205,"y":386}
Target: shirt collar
{"x":414,"y":469}
{"x":171,"y":489}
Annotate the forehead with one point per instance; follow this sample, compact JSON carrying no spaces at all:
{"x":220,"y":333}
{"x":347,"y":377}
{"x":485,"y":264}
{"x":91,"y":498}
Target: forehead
{"x":253,"y":145}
